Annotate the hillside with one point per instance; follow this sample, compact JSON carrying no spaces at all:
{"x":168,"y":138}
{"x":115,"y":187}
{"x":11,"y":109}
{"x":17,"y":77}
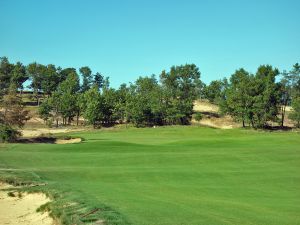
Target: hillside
{"x":212,"y":116}
{"x":210,"y":112}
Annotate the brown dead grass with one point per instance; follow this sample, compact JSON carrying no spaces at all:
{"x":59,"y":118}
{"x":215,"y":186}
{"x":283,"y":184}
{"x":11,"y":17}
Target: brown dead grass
{"x":221,"y":123}
{"x":212,"y":117}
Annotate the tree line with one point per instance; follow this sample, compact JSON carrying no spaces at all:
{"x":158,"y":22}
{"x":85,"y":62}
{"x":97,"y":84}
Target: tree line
{"x":258,"y":99}
{"x":64,"y":95}
{"x":146,"y":102}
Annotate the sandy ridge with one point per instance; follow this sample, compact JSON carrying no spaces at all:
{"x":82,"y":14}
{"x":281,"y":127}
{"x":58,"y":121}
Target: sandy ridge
{"x":22,"y":211}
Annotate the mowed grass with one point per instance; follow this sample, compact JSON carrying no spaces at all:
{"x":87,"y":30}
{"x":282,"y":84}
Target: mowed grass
{"x":174,"y":175}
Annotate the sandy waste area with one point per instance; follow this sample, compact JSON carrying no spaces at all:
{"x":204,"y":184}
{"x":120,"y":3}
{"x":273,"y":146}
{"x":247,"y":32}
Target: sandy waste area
{"x":22,"y":210}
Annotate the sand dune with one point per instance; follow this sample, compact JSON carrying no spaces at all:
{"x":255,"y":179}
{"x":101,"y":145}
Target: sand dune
{"x":22,"y":210}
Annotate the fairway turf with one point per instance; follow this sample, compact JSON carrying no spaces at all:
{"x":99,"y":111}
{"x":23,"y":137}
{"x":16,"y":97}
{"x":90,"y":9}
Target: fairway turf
{"x":173,"y":175}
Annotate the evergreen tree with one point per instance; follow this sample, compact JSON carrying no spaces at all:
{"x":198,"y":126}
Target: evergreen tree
{"x":93,"y":103}
{"x":86,"y":74}
{"x":214,"y":92}
{"x":98,"y":80}
{"x":266,"y":98}
{"x":18,"y":75}
{"x":35,"y":72}
{"x":181,"y":87}
{"x":238,"y":97}
{"x":295,"y":114}
{"x":13,"y":114}
{"x":6,"y":69}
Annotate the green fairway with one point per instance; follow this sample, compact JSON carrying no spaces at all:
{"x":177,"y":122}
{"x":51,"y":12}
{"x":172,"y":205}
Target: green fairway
{"x":172,"y":175}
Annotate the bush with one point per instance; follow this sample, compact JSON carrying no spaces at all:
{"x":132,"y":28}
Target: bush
{"x":8,"y":134}
{"x":295,"y":114}
{"x":198,"y":117}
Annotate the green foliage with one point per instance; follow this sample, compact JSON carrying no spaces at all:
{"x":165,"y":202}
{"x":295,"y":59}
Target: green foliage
{"x":294,"y":75}
{"x":266,"y":96}
{"x":93,"y":104}
{"x":36,"y":72}
{"x":238,"y":96}
{"x":253,"y":99}
{"x":6,"y":69}
{"x":63,"y":102}
{"x":64,"y":73}
{"x":141,"y":101}
{"x":86,"y":77}
{"x":180,"y":89}
{"x":7,"y":133}
{"x":99,"y":80}
{"x":214,"y":92}
{"x":18,"y":76}
{"x":45,"y":110}
{"x":295,"y":114}
{"x":198,"y":116}
{"x":50,"y":79}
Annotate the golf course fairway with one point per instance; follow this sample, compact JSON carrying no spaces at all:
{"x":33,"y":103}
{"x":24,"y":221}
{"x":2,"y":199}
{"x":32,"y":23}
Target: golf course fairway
{"x":168,"y":175}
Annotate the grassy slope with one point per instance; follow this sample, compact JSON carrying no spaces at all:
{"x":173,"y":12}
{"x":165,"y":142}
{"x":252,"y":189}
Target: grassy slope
{"x":175,"y":175}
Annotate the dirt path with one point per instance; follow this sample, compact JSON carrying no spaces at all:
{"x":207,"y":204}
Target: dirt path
{"x":22,"y":211}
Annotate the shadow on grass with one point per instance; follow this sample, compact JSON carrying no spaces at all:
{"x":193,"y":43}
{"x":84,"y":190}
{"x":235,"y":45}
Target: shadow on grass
{"x":47,"y":140}
{"x":277,"y":128}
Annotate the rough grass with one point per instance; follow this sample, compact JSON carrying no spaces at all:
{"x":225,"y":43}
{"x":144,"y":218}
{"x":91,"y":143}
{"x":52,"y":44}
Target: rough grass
{"x":167,"y":176}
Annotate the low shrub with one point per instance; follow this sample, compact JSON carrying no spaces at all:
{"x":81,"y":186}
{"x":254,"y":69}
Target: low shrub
{"x":8,"y":134}
{"x":198,"y":116}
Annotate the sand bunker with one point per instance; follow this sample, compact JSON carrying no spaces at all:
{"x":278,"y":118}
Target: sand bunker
{"x":70,"y":141}
{"x":22,"y":211}
{"x":47,"y":131}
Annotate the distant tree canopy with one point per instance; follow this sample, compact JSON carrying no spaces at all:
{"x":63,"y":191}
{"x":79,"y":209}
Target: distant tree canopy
{"x":63,"y":94}
{"x":214,"y":92}
{"x":258,"y":99}
{"x":146,"y":102}
{"x":12,"y":115}
{"x":11,"y":74}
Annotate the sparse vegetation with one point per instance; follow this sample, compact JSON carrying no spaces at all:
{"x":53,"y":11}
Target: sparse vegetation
{"x":198,"y":116}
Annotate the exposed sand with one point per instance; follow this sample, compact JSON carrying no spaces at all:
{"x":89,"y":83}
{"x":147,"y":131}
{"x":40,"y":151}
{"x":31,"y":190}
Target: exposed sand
{"x":205,"y":106}
{"x":71,"y":141}
{"x":221,"y":123}
{"x":22,"y":211}
{"x":46,"y":131}
{"x":210,"y":116}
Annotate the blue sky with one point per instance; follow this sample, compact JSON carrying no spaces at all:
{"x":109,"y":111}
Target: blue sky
{"x":124,"y":39}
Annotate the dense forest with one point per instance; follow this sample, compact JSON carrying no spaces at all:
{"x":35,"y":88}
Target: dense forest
{"x":64,"y":95}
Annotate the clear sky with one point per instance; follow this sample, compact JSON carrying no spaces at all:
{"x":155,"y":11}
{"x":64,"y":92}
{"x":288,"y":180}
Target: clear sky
{"x":124,"y":39}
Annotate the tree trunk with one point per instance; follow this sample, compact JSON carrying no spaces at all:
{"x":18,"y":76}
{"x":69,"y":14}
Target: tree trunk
{"x":252,"y":123}
{"x":283,"y":114}
{"x":77,"y":118}
{"x":243,"y":123}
